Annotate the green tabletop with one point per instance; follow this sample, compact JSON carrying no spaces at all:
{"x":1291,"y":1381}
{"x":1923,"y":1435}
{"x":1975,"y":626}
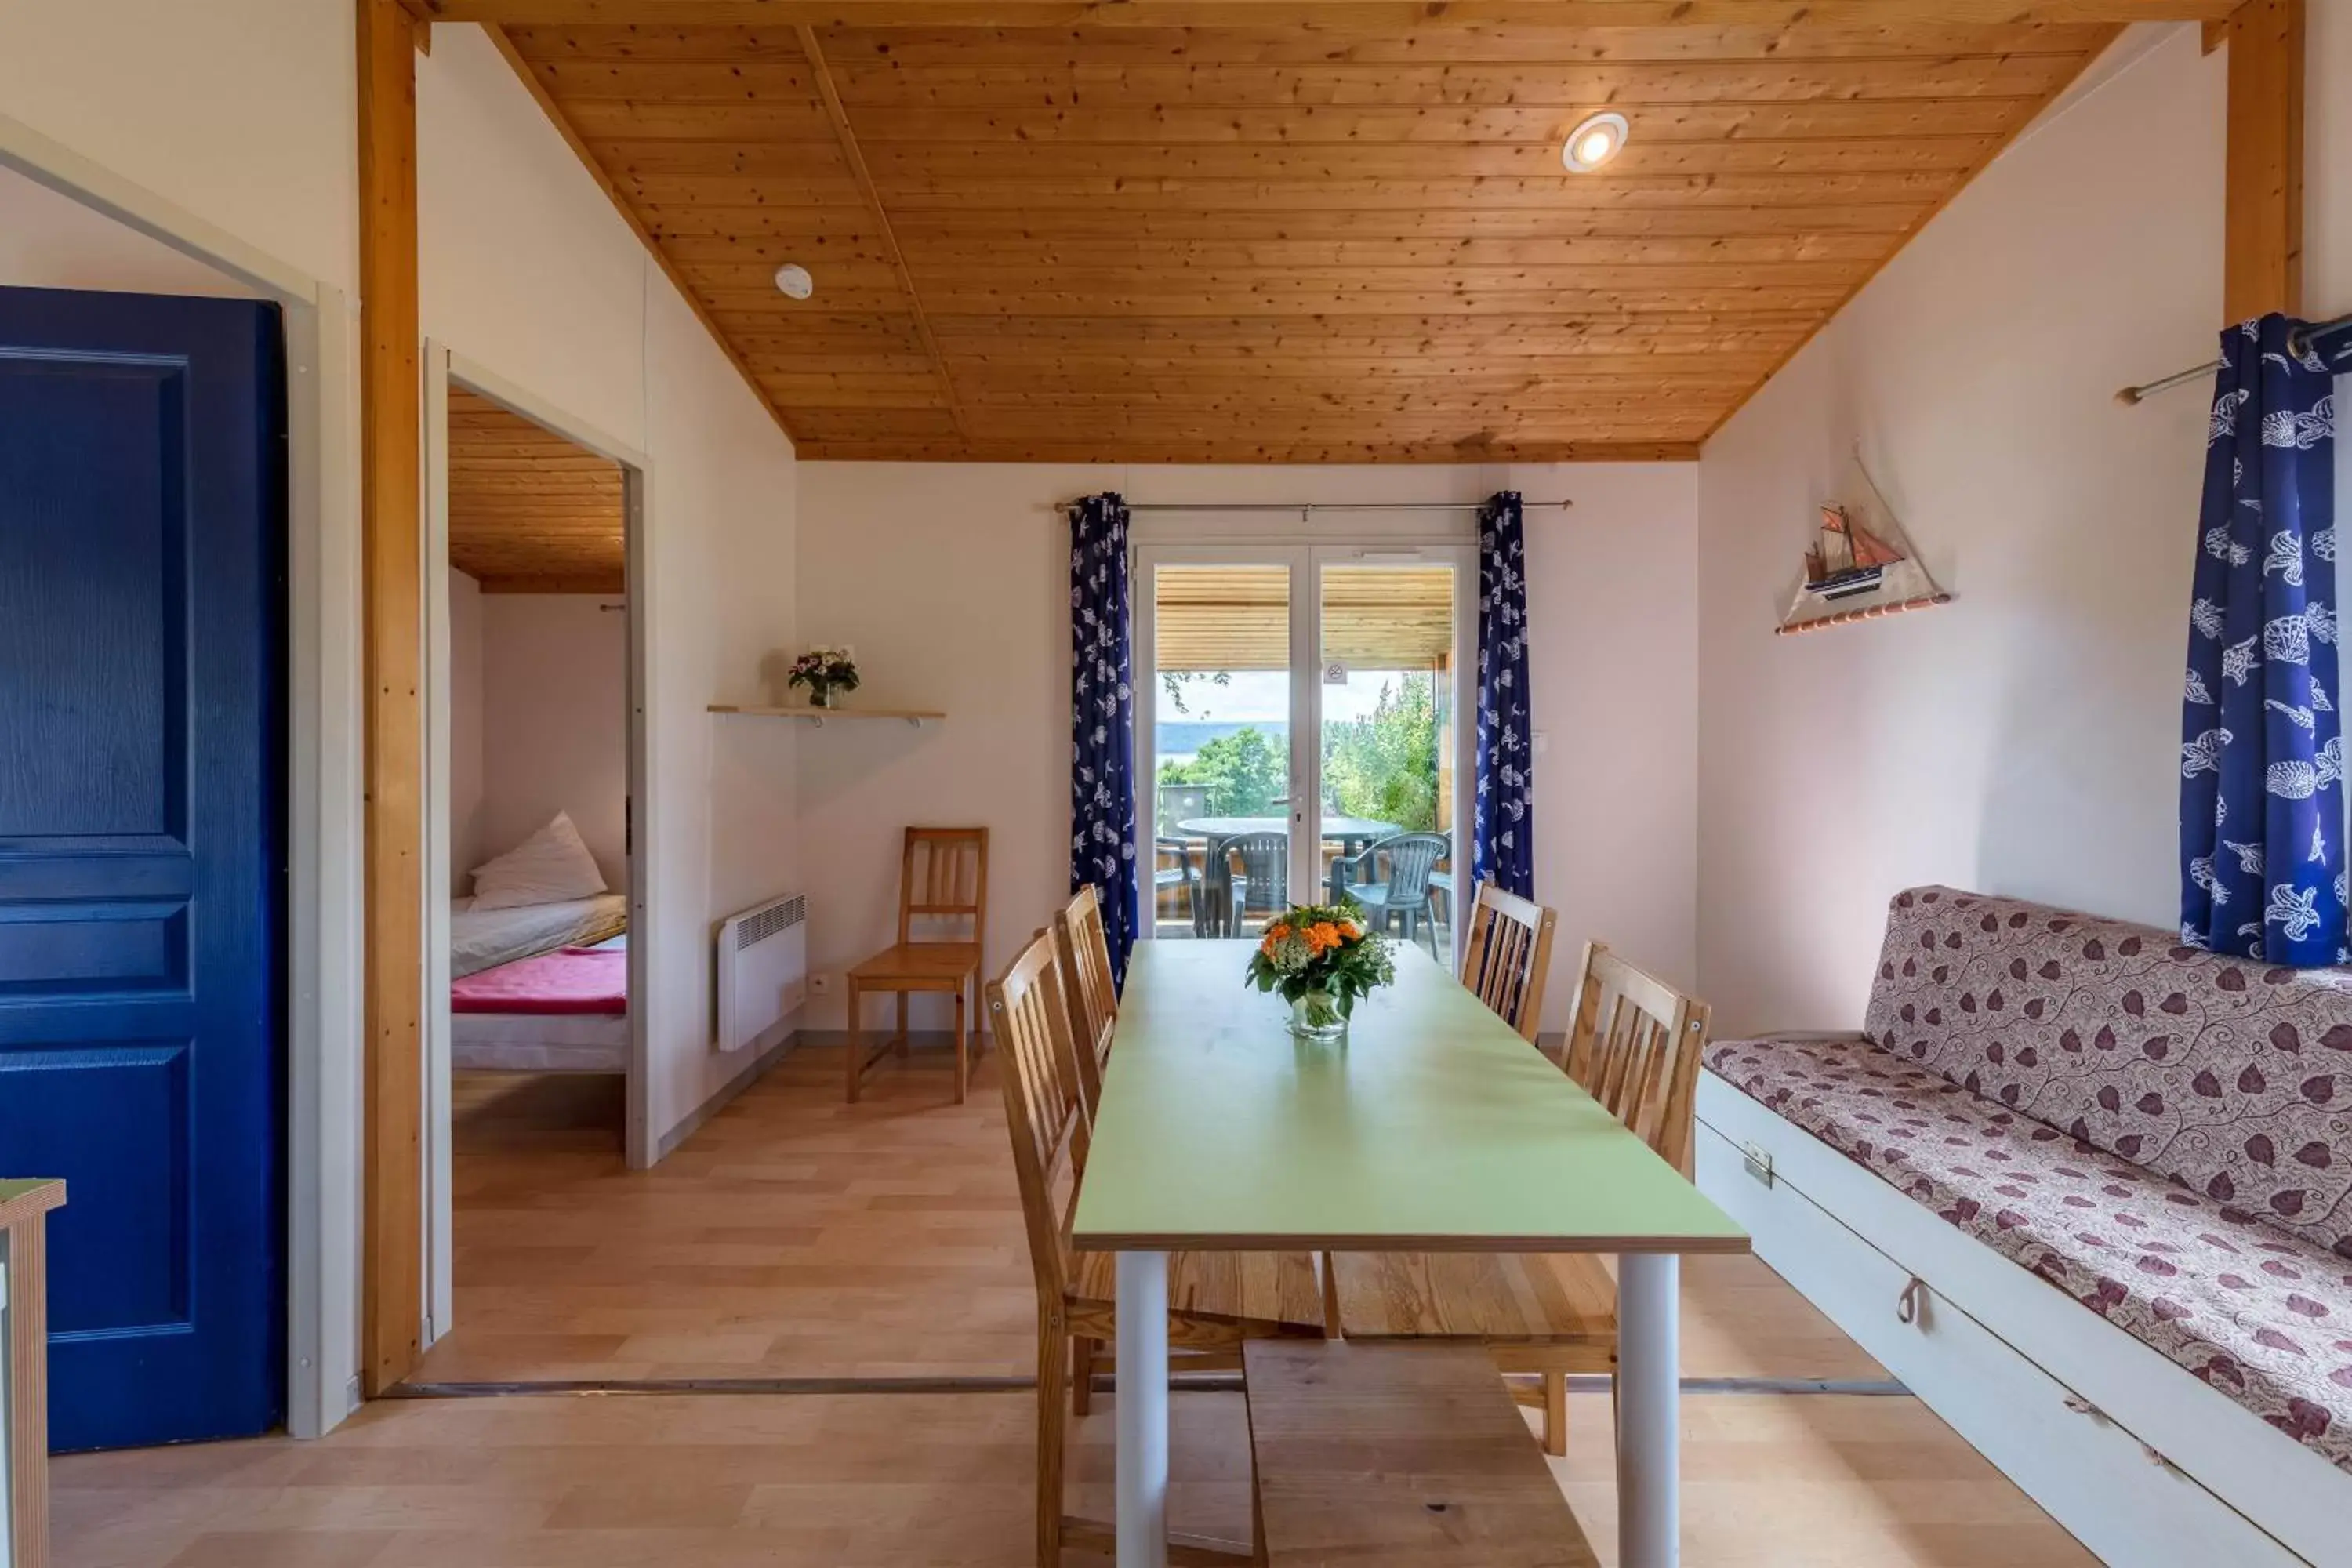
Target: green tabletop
{"x":1435,"y":1127}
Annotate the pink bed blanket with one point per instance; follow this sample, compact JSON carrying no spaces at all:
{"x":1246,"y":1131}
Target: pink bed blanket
{"x":570,"y":980}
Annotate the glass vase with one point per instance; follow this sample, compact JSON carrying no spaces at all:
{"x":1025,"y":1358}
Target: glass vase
{"x":1315,"y":1016}
{"x":821,"y":696}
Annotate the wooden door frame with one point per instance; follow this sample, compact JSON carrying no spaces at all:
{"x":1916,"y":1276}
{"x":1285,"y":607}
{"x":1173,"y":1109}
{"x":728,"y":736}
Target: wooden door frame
{"x":322,"y":791}
{"x":444,"y":367}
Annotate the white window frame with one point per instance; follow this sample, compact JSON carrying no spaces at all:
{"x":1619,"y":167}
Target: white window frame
{"x":1308,"y":548}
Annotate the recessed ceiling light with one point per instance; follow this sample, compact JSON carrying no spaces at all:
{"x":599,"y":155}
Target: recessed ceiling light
{"x":795,"y":281}
{"x":1594,"y":142}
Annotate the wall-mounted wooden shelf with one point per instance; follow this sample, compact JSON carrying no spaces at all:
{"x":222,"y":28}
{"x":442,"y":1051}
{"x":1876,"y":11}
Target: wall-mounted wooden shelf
{"x":917,"y":717}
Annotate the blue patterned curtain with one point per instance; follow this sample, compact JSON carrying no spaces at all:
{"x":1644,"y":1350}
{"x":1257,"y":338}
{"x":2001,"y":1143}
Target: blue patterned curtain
{"x":1102,"y":720}
{"x":1502,"y":842}
{"x":2262,"y":755}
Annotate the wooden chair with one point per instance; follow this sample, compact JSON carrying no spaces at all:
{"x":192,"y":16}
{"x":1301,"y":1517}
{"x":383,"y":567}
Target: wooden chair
{"x":1085,"y":950}
{"x":1508,"y":956}
{"x":1634,"y":1045}
{"x":942,"y":881}
{"x":1217,"y":1300}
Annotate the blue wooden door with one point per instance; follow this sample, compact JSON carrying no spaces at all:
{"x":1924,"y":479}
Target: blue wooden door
{"x":141,"y":871}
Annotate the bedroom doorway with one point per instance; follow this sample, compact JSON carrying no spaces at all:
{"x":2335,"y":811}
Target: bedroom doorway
{"x":535,"y":1058}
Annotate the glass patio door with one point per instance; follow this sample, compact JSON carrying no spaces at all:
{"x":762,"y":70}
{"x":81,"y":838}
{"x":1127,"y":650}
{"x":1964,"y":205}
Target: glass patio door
{"x":1221,"y":715}
{"x":1298,"y":740}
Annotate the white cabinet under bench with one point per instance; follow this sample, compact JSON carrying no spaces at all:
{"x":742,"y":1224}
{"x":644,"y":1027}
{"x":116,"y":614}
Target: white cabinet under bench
{"x":2088,"y":1192}
{"x":2145,"y":1465}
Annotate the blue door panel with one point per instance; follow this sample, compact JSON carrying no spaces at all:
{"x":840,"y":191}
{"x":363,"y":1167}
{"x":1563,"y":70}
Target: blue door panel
{"x":142,"y":868}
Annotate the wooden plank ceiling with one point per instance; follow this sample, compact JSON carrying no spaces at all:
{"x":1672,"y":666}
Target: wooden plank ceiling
{"x":1286,"y":242}
{"x":528,"y":511}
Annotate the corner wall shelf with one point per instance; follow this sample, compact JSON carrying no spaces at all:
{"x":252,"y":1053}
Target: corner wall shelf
{"x":916,"y":717}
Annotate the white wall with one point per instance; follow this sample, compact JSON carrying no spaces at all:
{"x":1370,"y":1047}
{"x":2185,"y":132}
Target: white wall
{"x":242,"y":112}
{"x":52,"y":241}
{"x":527,"y":272}
{"x":555,"y":723}
{"x":2023,"y":739}
{"x":466,"y":680}
{"x":952,"y":582}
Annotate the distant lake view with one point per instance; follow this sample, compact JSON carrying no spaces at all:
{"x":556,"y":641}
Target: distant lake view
{"x":1181,"y":741}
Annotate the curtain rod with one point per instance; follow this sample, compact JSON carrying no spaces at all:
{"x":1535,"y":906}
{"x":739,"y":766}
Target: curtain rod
{"x":1307,"y":508}
{"x":2131,"y":394}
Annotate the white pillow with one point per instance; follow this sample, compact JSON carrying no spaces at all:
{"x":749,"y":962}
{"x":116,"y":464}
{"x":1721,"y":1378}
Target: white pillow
{"x":549,"y":866}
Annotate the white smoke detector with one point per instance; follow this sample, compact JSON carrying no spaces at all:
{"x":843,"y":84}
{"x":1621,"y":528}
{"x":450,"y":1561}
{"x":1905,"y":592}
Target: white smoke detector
{"x":793,"y":279}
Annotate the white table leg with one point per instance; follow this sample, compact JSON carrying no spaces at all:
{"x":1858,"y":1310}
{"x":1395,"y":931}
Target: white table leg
{"x":1142,"y":1408}
{"x":1649,"y":1397}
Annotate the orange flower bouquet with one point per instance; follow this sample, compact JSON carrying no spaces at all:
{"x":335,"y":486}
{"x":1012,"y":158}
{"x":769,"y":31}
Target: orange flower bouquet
{"x":1323,"y":958}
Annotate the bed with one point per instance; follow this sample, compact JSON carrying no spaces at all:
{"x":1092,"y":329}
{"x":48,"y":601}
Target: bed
{"x":484,"y":939}
{"x":540,"y":988}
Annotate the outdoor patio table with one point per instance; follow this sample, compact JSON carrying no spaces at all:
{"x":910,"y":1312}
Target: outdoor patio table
{"x":1434,"y":1127}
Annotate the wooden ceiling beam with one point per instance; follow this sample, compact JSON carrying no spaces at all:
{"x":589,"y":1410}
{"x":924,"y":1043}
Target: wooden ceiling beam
{"x":1371,"y":15}
{"x":2262,"y":202}
{"x":821,"y":75}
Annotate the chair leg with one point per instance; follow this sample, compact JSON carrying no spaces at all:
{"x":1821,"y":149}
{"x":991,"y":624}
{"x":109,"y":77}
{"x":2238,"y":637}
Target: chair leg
{"x":857,"y":1042}
{"x":963,"y":1062}
{"x":1554,"y":1432}
{"x":1053,"y":1368}
{"x":902,"y":1026}
{"x":1082,"y":1375}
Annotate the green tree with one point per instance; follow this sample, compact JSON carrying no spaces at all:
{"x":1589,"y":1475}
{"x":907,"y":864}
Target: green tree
{"x":1245,"y":774}
{"x":1384,"y":765}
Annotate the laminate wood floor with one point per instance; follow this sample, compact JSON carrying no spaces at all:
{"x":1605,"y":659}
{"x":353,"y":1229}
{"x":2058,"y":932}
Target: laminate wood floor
{"x":915,"y":1481}
{"x":796,"y":1236}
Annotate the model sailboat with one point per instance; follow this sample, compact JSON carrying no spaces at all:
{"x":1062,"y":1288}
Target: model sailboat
{"x":1853,"y":572}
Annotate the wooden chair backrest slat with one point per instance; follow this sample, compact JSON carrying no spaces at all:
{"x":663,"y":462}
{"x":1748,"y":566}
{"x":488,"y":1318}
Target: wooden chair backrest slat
{"x":1635,"y":1047}
{"x":943,"y":879}
{"x":1508,"y":957}
{"x":1087,"y":983}
{"x":1043,"y":1107}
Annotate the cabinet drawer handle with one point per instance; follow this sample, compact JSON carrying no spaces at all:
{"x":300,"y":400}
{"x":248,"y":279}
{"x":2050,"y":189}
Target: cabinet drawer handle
{"x":1906,"y":1305}
{"x":1756,"y":1160}
{"x":2081,"y":1406}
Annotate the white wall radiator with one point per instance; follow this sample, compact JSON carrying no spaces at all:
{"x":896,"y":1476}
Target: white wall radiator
{"x":763,"y":969}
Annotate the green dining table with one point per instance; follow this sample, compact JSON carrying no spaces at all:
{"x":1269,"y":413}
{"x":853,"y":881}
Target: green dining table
{"x":1433,"y":1127}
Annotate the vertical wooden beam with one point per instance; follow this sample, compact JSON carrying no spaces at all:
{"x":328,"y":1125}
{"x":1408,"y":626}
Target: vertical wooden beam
{"x":391,"y":564}
{"x":2263,"y":263}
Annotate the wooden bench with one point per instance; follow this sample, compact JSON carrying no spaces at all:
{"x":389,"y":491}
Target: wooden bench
{"x":1411,"y":1456}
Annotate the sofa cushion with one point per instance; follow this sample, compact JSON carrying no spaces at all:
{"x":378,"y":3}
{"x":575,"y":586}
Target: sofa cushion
{"x":2257,"y":1312}
{"x":2233,"y":1076}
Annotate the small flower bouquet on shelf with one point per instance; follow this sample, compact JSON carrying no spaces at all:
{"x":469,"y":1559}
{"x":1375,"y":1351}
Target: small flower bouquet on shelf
{"x":1323,"y":960}
{"x":823,"y":671}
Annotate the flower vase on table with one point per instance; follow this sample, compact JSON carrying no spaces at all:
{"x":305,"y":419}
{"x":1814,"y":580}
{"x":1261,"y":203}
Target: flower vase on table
{"x":1323,"y":960}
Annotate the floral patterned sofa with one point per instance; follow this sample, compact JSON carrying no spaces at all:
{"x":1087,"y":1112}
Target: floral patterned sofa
{"x":2164,"y":1134}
